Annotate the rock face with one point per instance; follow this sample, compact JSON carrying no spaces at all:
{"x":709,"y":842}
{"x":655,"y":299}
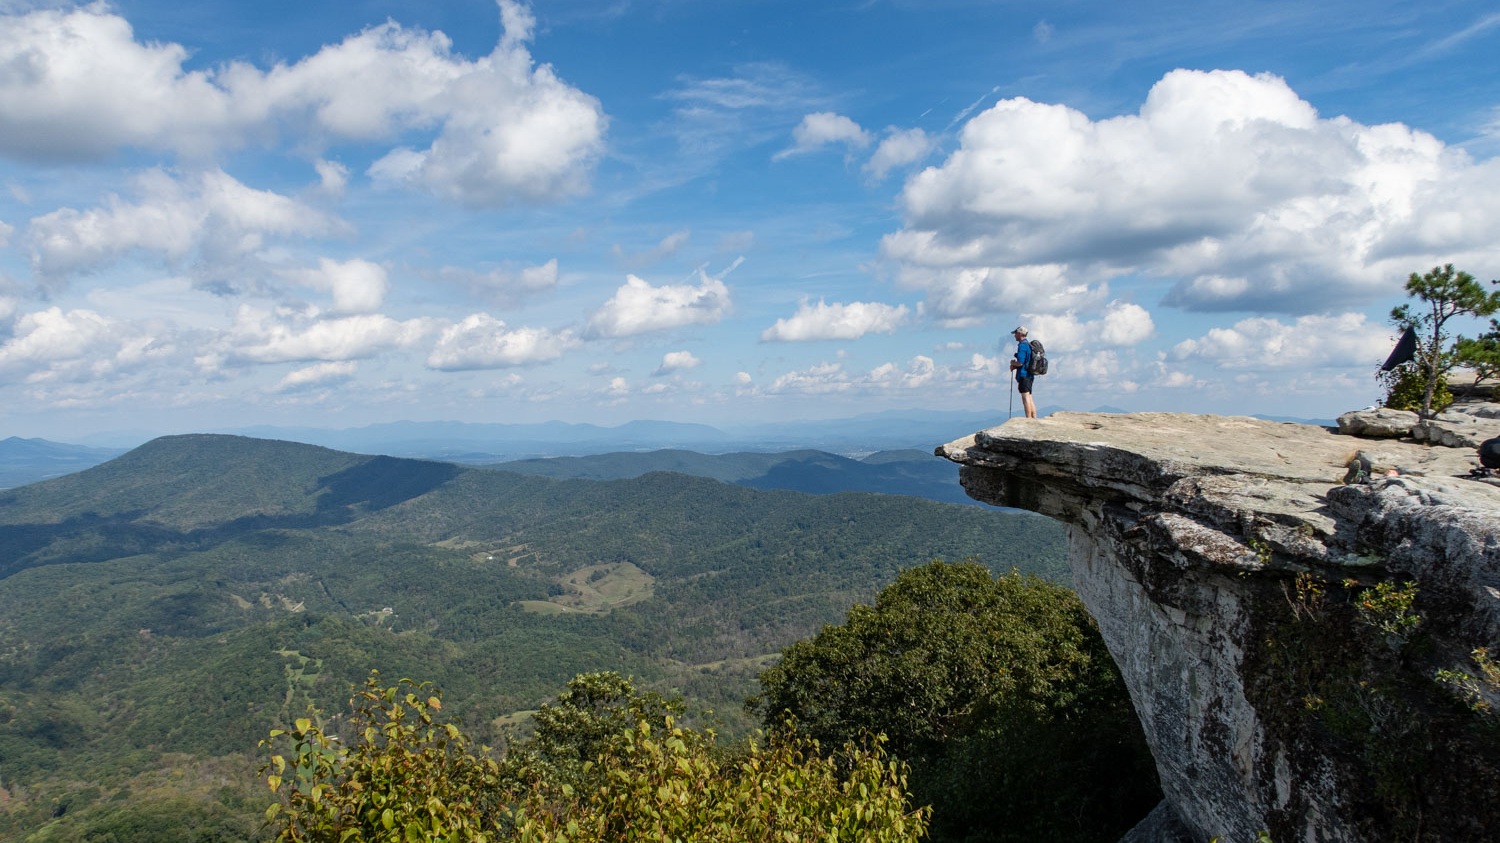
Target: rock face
{"x":1378,"y":423}
{"x":1261,"y":611}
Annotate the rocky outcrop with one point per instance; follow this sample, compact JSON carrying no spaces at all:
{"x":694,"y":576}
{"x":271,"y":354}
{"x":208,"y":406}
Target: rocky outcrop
{"x":1378,"y":422}
{"x":1261,"y":610}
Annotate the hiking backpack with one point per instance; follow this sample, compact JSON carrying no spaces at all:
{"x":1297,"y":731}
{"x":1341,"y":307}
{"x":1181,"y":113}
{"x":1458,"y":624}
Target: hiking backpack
{"x":1038,"y":365}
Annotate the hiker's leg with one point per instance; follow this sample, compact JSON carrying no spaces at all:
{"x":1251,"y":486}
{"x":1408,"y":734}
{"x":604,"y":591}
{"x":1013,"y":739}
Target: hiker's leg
{"x":1023,"y":385}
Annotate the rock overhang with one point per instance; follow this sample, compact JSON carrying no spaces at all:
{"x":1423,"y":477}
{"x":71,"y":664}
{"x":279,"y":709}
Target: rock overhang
{"x":1186,"y":534}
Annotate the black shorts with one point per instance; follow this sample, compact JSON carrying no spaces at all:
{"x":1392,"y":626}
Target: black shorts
{"x":1023,"y":384}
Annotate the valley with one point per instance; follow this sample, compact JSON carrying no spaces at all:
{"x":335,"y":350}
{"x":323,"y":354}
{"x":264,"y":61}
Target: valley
{"x":162,"y":611}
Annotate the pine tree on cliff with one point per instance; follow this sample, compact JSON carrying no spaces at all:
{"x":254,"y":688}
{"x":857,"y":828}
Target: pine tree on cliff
{"x":1446,"y":293}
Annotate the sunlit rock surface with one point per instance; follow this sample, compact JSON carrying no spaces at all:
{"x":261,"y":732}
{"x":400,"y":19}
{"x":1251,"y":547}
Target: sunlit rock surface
{"x":1187,"y":534}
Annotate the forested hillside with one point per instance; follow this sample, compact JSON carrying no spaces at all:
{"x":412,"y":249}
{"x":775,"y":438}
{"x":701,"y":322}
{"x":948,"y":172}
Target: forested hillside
{"x":159,"y":613}
{"x":905,"y":472}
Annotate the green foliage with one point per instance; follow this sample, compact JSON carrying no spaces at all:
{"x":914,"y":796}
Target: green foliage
{"x":1446,"y":293}
{"x":171,"y":820}
{"x":669,"y":785}
{"x":1406,"y":388}
{"x":579,"y":726}
{"x":1476,"y":691}
{"x":407,"y":776}
{"x":998,"y":692}
{"x":1388,"y":608}
{"x":1348,"y":673}
{"x":1481,"y":354}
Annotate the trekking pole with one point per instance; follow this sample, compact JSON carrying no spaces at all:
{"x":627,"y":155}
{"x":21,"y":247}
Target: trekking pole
{"x":1012,"y":411}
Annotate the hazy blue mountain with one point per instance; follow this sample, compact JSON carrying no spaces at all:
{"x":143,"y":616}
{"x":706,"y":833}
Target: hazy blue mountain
{"x":486,"y":443}
{"x":903,"y":455}
{"x":887,"y":430}
{"x":905,"y":472}
{"x":623,"y":465}
{"x":1295,"y":420}
{"x":25,"y":461}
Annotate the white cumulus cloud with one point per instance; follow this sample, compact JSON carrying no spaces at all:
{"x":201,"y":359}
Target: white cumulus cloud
{"x":318,"y":374}
{"x":1229,"y":184}
{"x":836,"y":321}
{"x":676,"y":361}
{"x":333,"y":177}
{"x":282,"y":336}
{"x":1345,"y":340}
{"x":481,"y":341}
{"x":79,"y":86}
{"x":920,"y":375}
{"x":503,"y":285}
{"x":638,"y":308}
{"x":822,"y":129}
{"x":501,"y":127}
{"x":78,"y":345}
{"x":210,"y":214}
{"x":357,"y":286}
{"x":1123,"y":324}
{"x":958,"y":292}
{"x":899,"y":148}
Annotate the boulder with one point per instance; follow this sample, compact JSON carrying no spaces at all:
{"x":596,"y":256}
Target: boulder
{"x":1378,"y":423}
{"x":1456,"y":430}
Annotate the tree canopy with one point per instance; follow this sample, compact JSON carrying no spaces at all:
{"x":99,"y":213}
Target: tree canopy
{"x":997,"y":690}
{"x":1482,"y":354}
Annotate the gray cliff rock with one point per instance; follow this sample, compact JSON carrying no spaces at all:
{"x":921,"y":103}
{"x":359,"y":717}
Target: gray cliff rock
{"x":1378,"y":422}
{"x":1252,"y":601}
{"x":1457,"y":429}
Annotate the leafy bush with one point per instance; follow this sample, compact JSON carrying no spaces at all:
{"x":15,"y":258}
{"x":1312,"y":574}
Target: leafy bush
{"x":406,"y":776}
{"x":1406,"y":385}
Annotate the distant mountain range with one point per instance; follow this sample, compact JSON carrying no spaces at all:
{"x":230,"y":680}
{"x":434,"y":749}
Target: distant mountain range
{"x":907,"y":472}
{"x":25,"y":461}
{"x":469,"y":442}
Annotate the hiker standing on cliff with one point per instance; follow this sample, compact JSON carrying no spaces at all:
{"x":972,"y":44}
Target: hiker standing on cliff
{"x":1022,"y":367}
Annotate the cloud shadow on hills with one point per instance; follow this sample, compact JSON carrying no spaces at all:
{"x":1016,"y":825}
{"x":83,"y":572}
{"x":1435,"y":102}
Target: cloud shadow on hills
{"x":344,"y":496}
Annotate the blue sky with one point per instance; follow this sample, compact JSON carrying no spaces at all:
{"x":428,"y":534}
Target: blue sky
{"x":332,"y":214}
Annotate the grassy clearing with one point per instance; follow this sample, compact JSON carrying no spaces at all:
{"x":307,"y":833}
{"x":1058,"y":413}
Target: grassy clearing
{"x":753,"y":662}
{"x":596,"y":590}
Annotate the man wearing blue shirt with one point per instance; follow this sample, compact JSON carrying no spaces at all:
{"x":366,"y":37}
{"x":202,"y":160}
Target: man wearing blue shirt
{"x":1022,"y":367}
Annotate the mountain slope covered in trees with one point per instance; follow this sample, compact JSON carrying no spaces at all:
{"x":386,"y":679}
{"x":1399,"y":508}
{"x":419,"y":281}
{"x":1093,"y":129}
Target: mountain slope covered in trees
{"x":159,"y":613}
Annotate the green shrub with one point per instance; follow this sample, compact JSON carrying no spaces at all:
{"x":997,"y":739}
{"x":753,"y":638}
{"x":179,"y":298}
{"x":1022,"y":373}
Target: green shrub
{"x":1405,"y":386}
{"x":404,"y":776}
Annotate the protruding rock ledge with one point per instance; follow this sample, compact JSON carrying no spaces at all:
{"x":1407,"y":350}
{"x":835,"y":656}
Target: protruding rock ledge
{"x":1186,"y":534}
{"x":1464,"y":427}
